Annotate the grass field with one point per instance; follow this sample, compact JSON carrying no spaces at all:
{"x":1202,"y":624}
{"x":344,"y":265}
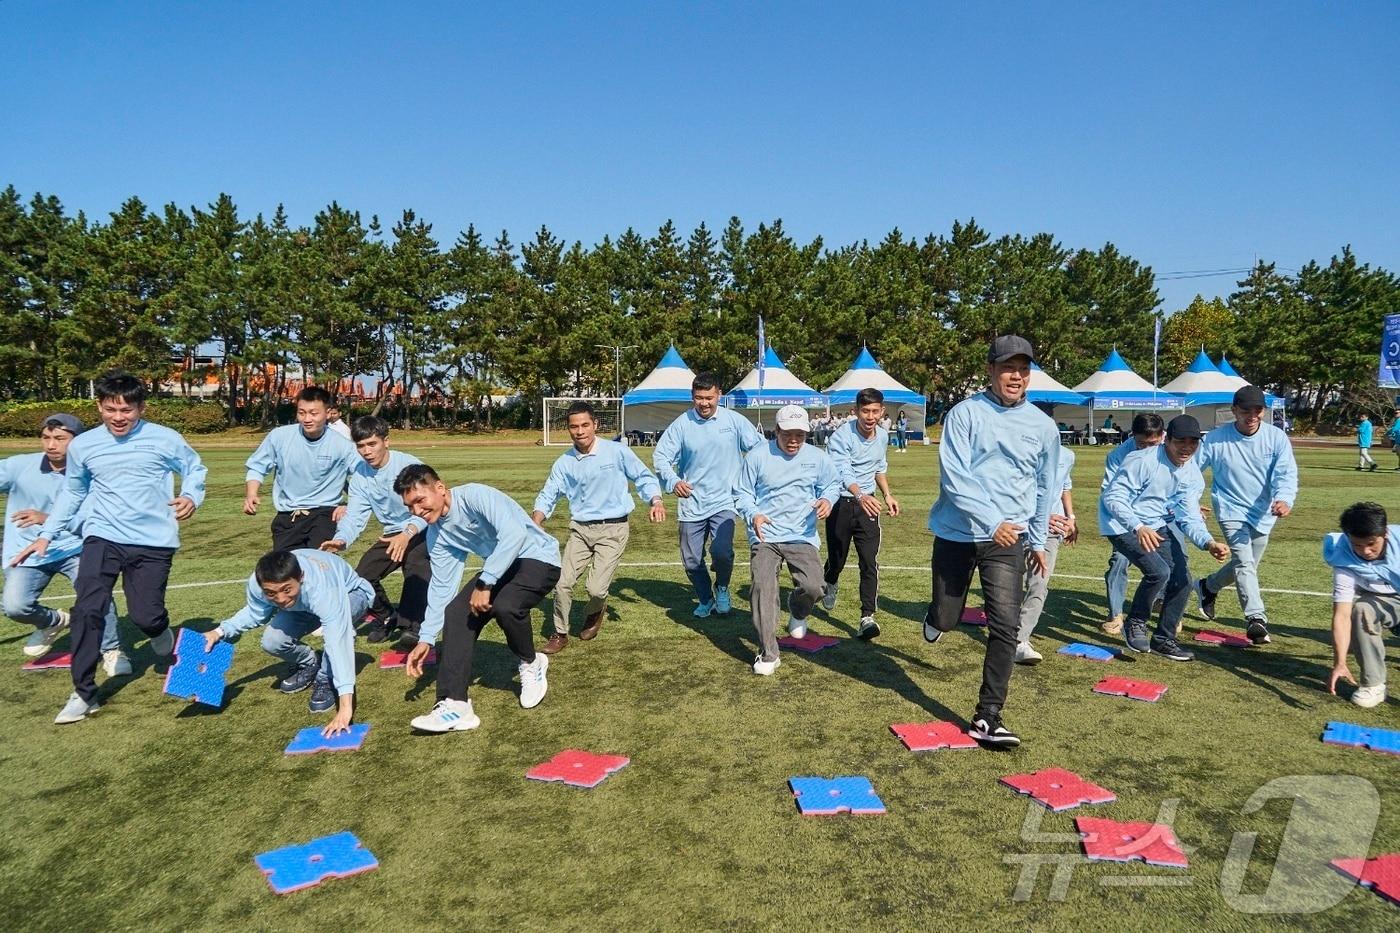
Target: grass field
{"x":149,"y":814}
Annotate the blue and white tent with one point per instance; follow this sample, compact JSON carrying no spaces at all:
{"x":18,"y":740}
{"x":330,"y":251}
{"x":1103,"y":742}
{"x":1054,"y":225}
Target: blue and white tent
{"x":1115,"y":387}
{"x":780,"y":387}
{"x":1047,"y":390}
{"x":1203,"y":384}
{"x":1274,"y":402}
{"x":660,"y":398}
{"x":865,"y":373}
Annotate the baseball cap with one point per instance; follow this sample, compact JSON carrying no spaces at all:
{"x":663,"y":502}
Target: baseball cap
{"x":1249,"y":397}
{"x":793,"y":417}
{"x":61,"y":419}
{"x":1008,"y":345}
{"x":1183,"y":426}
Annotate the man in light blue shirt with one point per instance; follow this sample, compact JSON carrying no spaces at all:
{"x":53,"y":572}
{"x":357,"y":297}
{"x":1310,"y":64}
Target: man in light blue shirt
{"x":593,"y":475}
{"x":1365,"y":562}
{"x":998,"y":464}
{"x":1148,"y":430}
{"x":520,"y":565}
{"x":120,"y":479}
{"x":294,"y":593}
{"x":858,"y":450}
{"x":698,"y":459}
{"x":1254,"y":481}
{"x":32,"y":483}
{"x":785,"y":486}
{"x":1155,"y":488}
{"x":1064,"y":529}
{"x":401,"y":542}
{"x":312,"y":465}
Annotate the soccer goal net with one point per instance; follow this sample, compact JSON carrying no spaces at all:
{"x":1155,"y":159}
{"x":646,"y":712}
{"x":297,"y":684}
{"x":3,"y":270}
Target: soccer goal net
{"x":556,"y":418}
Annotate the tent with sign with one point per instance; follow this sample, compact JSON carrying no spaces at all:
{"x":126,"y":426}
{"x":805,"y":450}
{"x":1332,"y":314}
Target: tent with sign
{"x":1045,"y":389}
{"x":1121,"y":393}
{"x":865,"y":373}
{"x":660,"y":398}
{"x":1207,"y":390}
{"x":779,"y":387}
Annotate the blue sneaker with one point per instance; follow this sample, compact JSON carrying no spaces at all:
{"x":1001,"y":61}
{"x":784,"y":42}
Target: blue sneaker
{"x":704,"y":610}
{"x":722,"y":604}
{"x":1135,"y":636}
{"x":322,"y":697}
{"x":301,"y":678}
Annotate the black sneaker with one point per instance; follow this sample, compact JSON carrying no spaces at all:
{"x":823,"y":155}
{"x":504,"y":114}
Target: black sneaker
{"x":988,"y":727}
{"x":1258,"y":630}
{"x":408,"y":640}
{"x":931,"y":632}
{"x":322,"y":697}
{"x":301,"y":678}
{"x":1135,"y":636}
{"x":379,"y":629}
{"x":1206,"y":598}
{"x":869,"y":628}
{"x":1169,"y":649}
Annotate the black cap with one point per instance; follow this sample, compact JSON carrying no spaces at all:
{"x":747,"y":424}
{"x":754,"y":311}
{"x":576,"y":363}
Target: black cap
{"x":1008,"y":345}
{"x":1183,"y":426}
{"x":1249,"y":397}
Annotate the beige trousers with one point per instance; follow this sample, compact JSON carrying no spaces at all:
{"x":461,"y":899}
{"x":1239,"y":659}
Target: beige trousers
{"x":602,"y":545}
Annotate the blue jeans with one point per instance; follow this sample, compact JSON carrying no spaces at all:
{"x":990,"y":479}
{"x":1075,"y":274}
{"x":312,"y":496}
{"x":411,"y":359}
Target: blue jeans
{"x":1116,"y":581}
{"x":1165,"y":575}
{"x":719,"y":529}
{"x":24,"y":586}
{"x":286,"y":629}
{"x":1247,"y":545}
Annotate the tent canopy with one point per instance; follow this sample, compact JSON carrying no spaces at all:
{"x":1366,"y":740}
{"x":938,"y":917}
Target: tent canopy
{"x":1047,"y":390}
{"x":668,"y":382}
{"x":1116,"y":386}
{"x":1203,"y":384}
{"x":1236,"y":381}
{"x":865,"y":373}
{"x":780,"y":387}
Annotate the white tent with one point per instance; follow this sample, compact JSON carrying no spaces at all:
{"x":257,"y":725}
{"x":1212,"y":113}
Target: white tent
{"x":865,"y":373}
{"x":779,"y":387}
{"x":1047,"y":390}
{"x":1208,"y":391}
{"x":661,"y":397}
{"x":1116,"y":388}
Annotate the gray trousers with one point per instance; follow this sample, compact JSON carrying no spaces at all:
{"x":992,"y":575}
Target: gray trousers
{"x":1247,"y":545}
{"x":1036,"y":588}
{"x":1372,"y":615}
{"x":805,"y":564}
{"x":600,"y":543}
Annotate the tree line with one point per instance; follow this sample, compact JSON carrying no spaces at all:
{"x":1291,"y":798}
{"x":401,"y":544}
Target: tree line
{"x":488,"y":316}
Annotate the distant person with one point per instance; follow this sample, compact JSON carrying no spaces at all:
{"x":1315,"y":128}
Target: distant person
{"x":312,"y":466}
{"x":334,"y":423}
{"x":1107,"y":422}
{"x":1364,"y":433}
{"x":1392,"y":434}
{"x":1365,"y":562}
{"x":901,"y":433}
{"x":1148,"y":429}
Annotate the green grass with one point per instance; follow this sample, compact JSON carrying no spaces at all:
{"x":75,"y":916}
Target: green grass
{"x":148,"y":815}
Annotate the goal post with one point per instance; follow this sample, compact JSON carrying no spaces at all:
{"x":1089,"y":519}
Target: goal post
{"x":556,"y":420}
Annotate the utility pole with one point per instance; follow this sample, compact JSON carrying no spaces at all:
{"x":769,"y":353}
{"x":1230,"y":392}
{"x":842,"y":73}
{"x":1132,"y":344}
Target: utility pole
{"x":617,"y":364}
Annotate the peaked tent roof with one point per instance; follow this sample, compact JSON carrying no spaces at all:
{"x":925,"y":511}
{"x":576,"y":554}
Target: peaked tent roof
{"x":1237,"y":381}
{"x":865,"y":373}
{"x":1227,"y":369}
{"x":1203,"y":384}
{"x":668,"y":382}
{"x":1045,"y":388}
{"x":780,"y":387}
{"x":1115,"y":385}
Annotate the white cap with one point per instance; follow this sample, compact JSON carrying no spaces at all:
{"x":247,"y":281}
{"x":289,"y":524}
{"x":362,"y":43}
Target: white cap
{"x":793,"y":417}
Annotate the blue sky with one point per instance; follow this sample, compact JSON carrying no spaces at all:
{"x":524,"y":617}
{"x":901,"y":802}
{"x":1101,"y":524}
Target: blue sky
{"x":1191,"y":135}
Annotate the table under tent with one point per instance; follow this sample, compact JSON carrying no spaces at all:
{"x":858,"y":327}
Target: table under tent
{"x":866,"y":373}
{"x":1115,"y":389}
{"x":1049,"y":394}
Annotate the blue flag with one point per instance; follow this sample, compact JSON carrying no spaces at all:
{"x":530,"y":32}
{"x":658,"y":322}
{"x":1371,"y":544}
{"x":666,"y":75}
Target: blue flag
{"x":762,"y":352}
{"x":1390,"y":353}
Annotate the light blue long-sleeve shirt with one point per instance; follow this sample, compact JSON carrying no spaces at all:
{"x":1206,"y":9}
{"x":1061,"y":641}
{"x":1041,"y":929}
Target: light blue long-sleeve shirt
{"x":858,"y":460}
{"x":483,"y":521}
{"x":326,"y":584}
{"x":1337,"y":552}
{"x":1152,"y":491}
{"x":1365,"y":431}
{"x":1249,"y":473}
{"x":372,"y":492}
{"x":30,"y":483}
{"x":122,"y":486}
{"x":707,"y":454}
{"x":1064,"y":481}
{"x":996,"y":464}
{"x":783,"y":489}
{"x":595,"y":483}
{"x":310,"y":474}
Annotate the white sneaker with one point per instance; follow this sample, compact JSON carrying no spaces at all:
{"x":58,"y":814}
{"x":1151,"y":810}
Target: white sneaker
{"x":1025,"y":654}
{"x":829,"y":597}
{"x":533,"y":683}
{"x":39,"y":643}
{"x":447,"y":716}
{"x":164,"y":643}
{"x":869,"y":628}
{"x":765,"y":668}
{"x":116,"y":663}
{"x":797,"y":628}
{"x":1368,"y":697}
{"x":319,"y":633}
{"x":75,"y":710}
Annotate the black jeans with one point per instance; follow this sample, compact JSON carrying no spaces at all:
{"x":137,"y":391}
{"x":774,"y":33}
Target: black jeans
{"x":1002,"y":570}
{"x":1165,"y":575}
{"x":846,"y":523}
{"x":144,"y":572}
{"x":375,"y":565}
{"x":304,"y":528}
{"x":521,"y":588}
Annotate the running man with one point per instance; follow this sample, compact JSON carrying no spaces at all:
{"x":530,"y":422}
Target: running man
{"x":122,"y":473}
{"x":998,"y":463}
{"x":593,"y":475}
{"x":520,"y":566}
{"x":698,"y":458}
{"x":1148,"y":430}
{"x":1063,"y":529}
{"x":1254,"y":482}
{"x":784,"y":487}
{"x":1365,"y":432}
{"x":312,"y":464}
{"x":859,"y":451}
